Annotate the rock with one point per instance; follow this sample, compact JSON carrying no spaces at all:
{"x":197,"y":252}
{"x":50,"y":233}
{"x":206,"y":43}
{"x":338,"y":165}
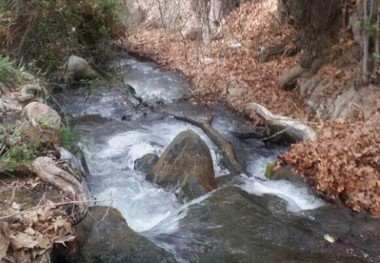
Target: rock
{"x":186,"y":163}
{"x":236,"y":92}
{"x":29,"y":92}
{"x":34,"y":89}
{"x":346,"y":101}
{"x":130,"y":89}
{"x":24,"y":97}
{"x":234,"y":226}
{"x":288,"y":173}
{"x":145,"y":164}
{"x":104,"y":236}
{"x":237,"y":87}
{"x":79,"y":68}
{"x":41,"y":115}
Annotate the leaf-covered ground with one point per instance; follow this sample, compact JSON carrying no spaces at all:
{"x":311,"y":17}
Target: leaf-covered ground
{"x":30,"y":222}
{"x":230,"y":61}
{"x":344,"y":163}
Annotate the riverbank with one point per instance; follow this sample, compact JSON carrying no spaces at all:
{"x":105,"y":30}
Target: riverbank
{"x":227,"y":69}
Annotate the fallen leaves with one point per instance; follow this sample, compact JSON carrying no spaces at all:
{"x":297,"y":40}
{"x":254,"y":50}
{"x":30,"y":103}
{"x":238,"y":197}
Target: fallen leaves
{"x":211,"y":67}
{"x":343,"y":164}
{"x":27,"y":236}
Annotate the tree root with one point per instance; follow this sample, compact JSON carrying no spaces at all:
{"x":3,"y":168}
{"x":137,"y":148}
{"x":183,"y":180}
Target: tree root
{"x":47,"y":171}
{"x":281,"y":127}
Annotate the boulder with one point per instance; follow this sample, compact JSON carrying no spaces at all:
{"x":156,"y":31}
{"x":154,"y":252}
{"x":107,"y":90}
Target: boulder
{"x":41,"y":115}
{"x":145,"y":164}
{"x":104,"y":236}
{"x":186,"y":163}
{"x":79,"y":68}
{"x":234,"y":226}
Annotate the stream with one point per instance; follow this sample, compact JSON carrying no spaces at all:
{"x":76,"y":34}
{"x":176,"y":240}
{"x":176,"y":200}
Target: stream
{"x":247,"y":220}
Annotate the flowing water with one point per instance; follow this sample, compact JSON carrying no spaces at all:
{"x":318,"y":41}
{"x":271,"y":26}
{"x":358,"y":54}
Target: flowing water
{"x":249,"y":221}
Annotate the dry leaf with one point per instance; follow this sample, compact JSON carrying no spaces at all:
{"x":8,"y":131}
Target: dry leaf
{"x":22,"y":240}
{"x":4,"y":244}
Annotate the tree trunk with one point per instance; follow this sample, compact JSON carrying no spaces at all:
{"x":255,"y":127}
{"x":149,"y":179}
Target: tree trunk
{"x":314,"y":20}
{"x":377,"y":37}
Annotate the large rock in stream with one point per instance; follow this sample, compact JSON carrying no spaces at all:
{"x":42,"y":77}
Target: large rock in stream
{"x":233,"y":226}
{"x":104,"y":236}
{"x":186,"y":163}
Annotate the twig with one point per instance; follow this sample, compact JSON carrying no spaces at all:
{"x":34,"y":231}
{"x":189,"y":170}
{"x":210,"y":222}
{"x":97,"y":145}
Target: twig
{"x":276,"y":134}
{"x":13,"y":195}
{"x":106,"y":213}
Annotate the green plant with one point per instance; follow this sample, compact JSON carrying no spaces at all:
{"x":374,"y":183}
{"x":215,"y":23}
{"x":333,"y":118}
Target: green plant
{"x":45,"y":124}
{"x":16,"y":151}
{"x":269,"y":170}
{"x":8,"y":74}
{"x":49,"y":31}
{"x":69,"y":136}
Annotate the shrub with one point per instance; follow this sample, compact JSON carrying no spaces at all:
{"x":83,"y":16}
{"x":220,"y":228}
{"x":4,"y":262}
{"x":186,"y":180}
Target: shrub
{"x":47,"y":31}
{"x":8,"y":74}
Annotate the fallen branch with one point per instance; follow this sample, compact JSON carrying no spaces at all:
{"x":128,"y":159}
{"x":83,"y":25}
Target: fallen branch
{"x":289,"y":129}
{"x":233,"y":165}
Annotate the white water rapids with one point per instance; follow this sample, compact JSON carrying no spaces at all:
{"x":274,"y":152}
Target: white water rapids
{"x":111,"y":154}
{"x":111,"y":146}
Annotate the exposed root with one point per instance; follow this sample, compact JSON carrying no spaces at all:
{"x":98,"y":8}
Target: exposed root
{"x":47,"y":171}
{"x":282,"y":127}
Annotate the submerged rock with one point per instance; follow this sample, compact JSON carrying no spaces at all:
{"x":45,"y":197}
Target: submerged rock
{"x":288,"y":173}
{"x":104,"y":236}
{"x":42,"y":115}
{"x":186,"y":163}
{"x":146,"y":163}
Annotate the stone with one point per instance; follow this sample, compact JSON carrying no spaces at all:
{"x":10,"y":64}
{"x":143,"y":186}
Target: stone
{"x":234,"y":226}
{"x":34,"y":89}
{"x":236,"y":87}
{"x":42,"y":115}
{"x":104,"y":236}
{"x":236,"y":92}
{"x":25,"y":97}
{"x":186,"y":163}
{"x":79,"y":68}
{"x":145,"y":164}
{"x":288,"y":173}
